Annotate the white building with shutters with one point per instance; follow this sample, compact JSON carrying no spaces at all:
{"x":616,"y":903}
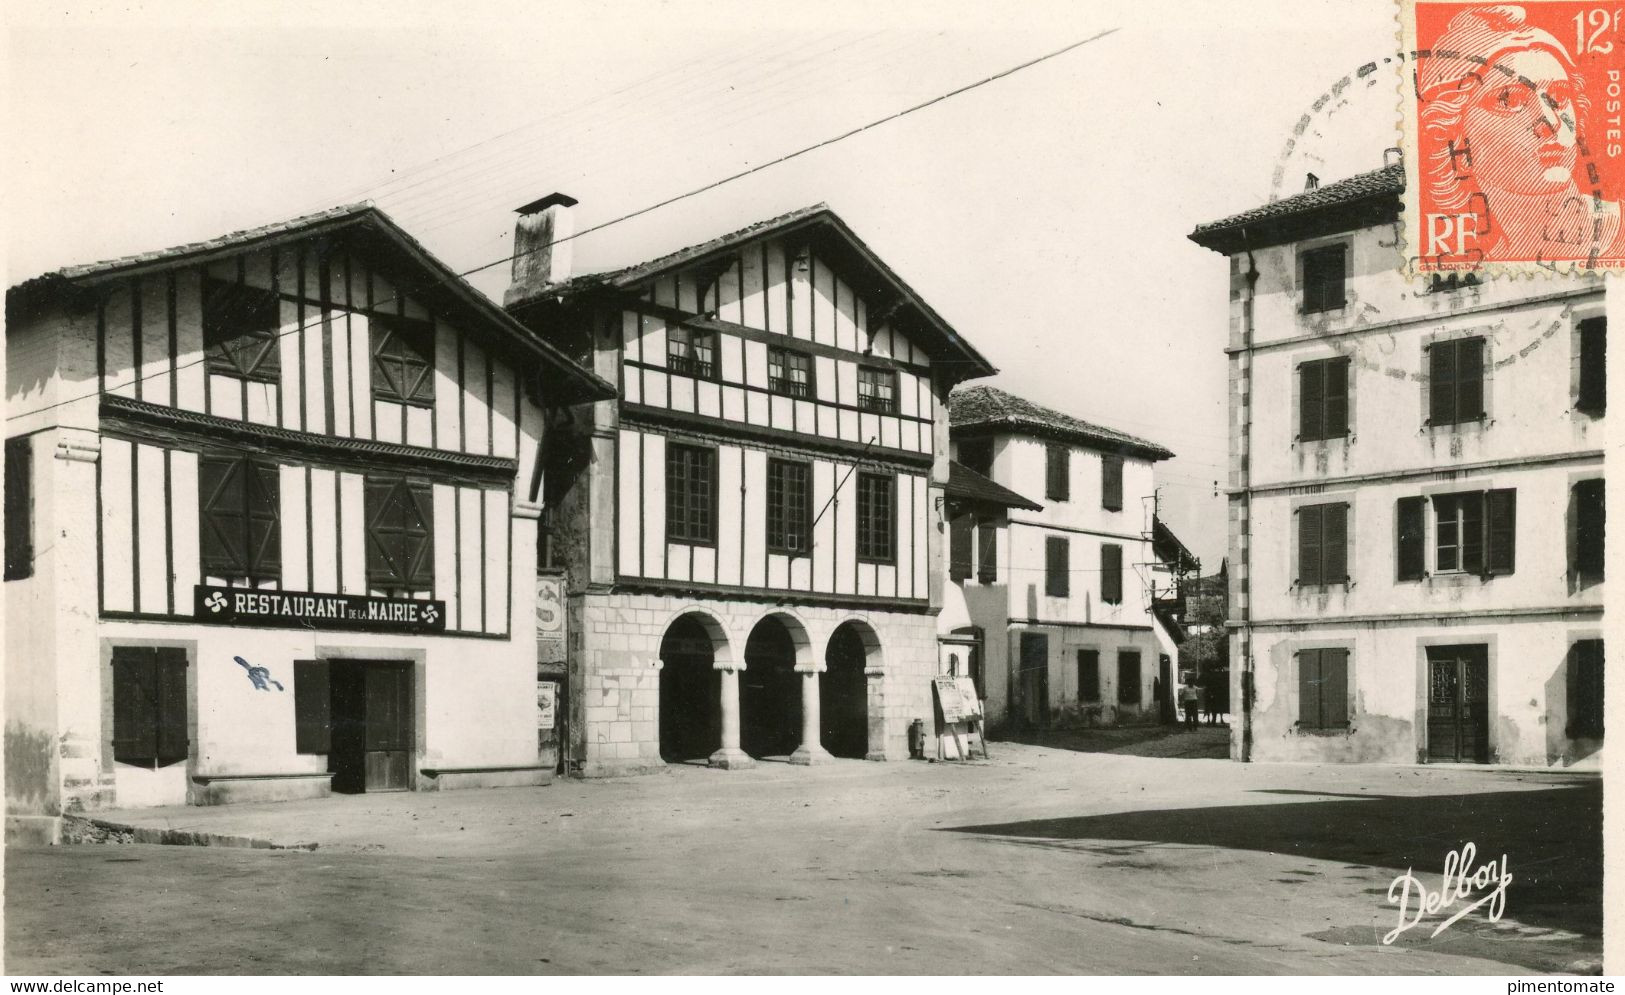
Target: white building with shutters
{"x":1064,"y":605}
{"x":1416,"y":495}
{"x":271,"y":511}
{"x":753,"y":529}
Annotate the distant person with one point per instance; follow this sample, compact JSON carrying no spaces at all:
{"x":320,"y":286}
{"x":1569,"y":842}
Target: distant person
{"x":1212,"y":698}
{"x":1188,"y":700}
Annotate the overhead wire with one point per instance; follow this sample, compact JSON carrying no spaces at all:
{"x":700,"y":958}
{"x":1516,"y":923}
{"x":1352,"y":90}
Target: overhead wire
{"x":401,"y":293}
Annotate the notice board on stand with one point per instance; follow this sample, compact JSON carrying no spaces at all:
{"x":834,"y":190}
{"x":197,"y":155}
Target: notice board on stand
{"x":961,"y":717}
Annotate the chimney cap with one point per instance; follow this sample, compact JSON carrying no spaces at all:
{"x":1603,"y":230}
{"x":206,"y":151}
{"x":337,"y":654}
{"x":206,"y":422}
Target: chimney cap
{"x":564,"y":200}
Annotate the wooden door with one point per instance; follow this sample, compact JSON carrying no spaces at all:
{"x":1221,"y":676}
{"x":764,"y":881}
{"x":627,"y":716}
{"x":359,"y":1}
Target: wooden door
{"x":1031,"y":705}
{"x":388,"y":726}
{"x":1458,"y":704}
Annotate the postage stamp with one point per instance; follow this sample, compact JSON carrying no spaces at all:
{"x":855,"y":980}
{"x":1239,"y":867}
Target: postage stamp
{"x":1515,"y":151}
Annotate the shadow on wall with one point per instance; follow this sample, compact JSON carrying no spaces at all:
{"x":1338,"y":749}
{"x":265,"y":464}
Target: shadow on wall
{"x":1561,"y":750}
{"x":28,"y":767}
{"x":1552,"y":838}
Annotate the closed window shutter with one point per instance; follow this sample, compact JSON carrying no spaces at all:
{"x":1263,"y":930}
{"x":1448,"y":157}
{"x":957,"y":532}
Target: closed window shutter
{"x":1111,"y":468}
{"x":383,"y":534}
{"x":173,"y":740}
{"x":223,"y":499}
{"x":1442,"y":383}
{"x":1337,"y":398}
{"x":403,"y":360}
{"x":959,"y":545}
{"x":1309,"y":688}
{"x":1501,"y":531}
{"x":1469,"y":380}
{"x":1311,"y":401}
{"x":1334,"y":688}
{"x":1335,"y":543}
{"x":135,"y":705}
{"x":312,"y":707}
{"x":240,"y":331}
{"x":1472,"y":533}
{"x":1128,"y":677}
{"x":1309,"y":544}
{"x":264,"y":514}
{"x":1411,"y":550}
{"x":19,"y":508}
{"x":1111,"y":574}
{"x":1057,"y":567}
{"x":987,"y":553}
{"x":400,"y":534}
{"x":1589,"y":528}
{"x":1057,"y":467}
{"x":1593,"y":370}
{"x":1585,"y":689}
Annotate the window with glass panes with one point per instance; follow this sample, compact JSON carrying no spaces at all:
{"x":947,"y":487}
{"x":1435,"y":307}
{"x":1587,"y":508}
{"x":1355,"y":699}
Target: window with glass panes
{"x":789,"y":372}
{"x":876,"y":517}
{"x":877,"y":389}
{"x":691,"y":489}
{"x":789,"y":506}
{"x":691,"y":351}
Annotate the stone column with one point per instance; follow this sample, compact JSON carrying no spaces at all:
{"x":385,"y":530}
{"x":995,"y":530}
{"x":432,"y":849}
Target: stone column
{"x":811,"y":751}
{"x":730,"y":756}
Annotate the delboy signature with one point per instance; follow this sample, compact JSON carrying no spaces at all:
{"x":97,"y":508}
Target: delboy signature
{"x":1461,"y":882}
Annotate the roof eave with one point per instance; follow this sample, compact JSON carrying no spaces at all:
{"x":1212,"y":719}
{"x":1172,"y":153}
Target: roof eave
{"x":1295,"y":226}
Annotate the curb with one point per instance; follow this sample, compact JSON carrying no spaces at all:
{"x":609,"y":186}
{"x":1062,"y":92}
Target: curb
{"x":78,"y":830}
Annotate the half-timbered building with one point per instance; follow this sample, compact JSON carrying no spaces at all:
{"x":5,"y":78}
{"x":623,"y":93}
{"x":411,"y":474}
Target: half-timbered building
{"x":765,"y":494}
{"x":271,"y":509}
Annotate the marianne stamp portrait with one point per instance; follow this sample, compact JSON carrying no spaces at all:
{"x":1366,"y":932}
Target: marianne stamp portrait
{"x":1516,"y":152}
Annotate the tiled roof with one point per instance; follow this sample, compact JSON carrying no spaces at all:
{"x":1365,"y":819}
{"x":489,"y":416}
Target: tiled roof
{"x":444,"y":286}
{"x":944,"y":345}
{"x":297,"y":225}
{"x":968,"y":485}
{"x":982,"y":408}
{"x":1380,"y":185}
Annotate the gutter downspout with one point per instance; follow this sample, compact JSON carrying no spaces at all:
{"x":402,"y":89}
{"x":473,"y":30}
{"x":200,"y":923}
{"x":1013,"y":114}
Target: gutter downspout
{"x":1244,"y":458}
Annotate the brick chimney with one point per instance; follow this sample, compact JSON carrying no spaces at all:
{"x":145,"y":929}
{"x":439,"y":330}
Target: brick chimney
{"x":541,"y":247}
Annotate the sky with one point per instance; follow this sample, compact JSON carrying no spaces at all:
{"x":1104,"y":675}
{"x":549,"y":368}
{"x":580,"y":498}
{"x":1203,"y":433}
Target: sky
{"x":1043,"y":214}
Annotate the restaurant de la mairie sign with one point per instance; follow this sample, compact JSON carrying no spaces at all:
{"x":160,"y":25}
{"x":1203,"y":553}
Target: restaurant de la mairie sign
{"x":217,"y":605}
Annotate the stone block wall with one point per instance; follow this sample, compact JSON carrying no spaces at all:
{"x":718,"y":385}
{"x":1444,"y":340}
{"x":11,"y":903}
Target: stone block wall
{"x":616,"y":638}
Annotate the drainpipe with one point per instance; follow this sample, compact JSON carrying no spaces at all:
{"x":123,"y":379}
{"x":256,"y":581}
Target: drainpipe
{"x":1244,"y":460}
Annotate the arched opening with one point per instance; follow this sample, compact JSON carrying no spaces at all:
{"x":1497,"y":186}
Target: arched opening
{"x":690,"y":692}
{"x":769,"y":690}
{"x":843,"y":690}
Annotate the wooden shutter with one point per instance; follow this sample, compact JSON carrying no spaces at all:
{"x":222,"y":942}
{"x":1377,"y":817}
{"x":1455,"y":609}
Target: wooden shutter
{"x":1410,"y":553}
{"x":1309,"y":682}
{"x":312,"y":707}
{"x":383,"y":532}
{"x":240,"y":331}
{"x":135,"y":705}
{"x":1469,"y":379}
{"x":1088,"y":675}
{"x":1334,"y":540}
{"x":172,"y":738}
{"x":1589,"y":528}
{"x":1057,"y":472}
{"x":1128,"y":677}
{"x":403,"y":360}
{"x":1337,"y":398}
{"x":1111,"y":573}
{"x":1584,"y":677}
{"x":400,"y":534}
{"x":19,"y":509}
{"x":1311,"y":401}
{"x":1334,"y":688}
{"x":1593,"y":371}
{"x":1309,"y":545}
{"x":223,"y":509}
{"x":1500,"y":531}
{"x":987,"y":552}
{"x":1057,"y":566}
{"x":264,"y":516}
{"x":1472,"y":532}
{"x":1442,"y":383}
{"x":959,"y":545}
{"x":1111,"y":482}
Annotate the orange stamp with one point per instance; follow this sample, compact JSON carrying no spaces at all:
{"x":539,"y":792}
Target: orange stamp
{"x":1515,"y":147}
